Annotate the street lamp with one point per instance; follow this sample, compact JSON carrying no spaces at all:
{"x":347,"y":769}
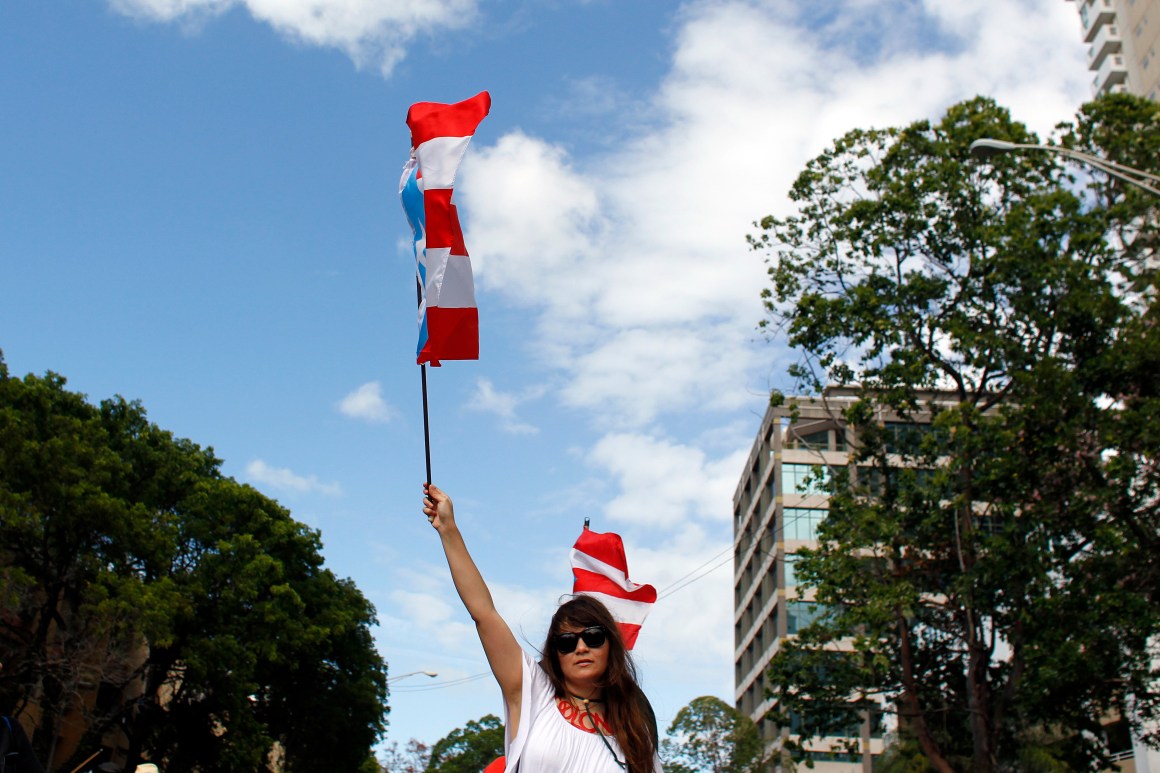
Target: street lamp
{"x":431,"y":674}
{"x":986,"y":148}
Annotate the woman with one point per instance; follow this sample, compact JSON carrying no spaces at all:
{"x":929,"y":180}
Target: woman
{"x":579,"y":708}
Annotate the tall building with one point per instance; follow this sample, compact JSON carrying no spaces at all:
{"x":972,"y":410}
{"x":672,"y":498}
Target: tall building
{"x":777,"y":508}
{"x":1123,"y":38}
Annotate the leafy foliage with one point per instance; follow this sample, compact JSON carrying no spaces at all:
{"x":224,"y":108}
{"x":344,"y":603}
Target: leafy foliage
{"x":710,"y":735}
{"x":200,"y":607}
{"x":468,"y":749}
{"x":997,"y":575}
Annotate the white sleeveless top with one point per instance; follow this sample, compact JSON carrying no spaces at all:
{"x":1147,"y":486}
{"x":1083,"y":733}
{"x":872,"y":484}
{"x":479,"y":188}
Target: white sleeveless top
{"x":545,"y":742}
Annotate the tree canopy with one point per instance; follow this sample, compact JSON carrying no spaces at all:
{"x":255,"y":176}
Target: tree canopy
{"x":195,"y":607}
{"x":712,"y":736}
{"x":468,"y":749}
{"x":989,"y":555}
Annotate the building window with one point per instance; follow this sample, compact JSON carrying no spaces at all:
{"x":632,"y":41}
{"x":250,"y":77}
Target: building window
{"x":799,"y":614}
{"x":801,"y":523}
{"x":844,"y":722}
{"x":815,"y":436}
{"x":816,"y":440}
{"x":876,"y":482}
{"x":790,"y":573}
{"x":833,"y":757}
{"x":804,"y":479}
{"x":905,"y":438}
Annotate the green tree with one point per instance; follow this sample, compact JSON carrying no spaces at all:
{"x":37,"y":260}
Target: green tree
{"x":710,"y":736}
{"x":995,"y":573}
{"x":266,"y":639}
{"x":468,"y":749}
{"x":74,"y":544}
{"x":198,"y":605}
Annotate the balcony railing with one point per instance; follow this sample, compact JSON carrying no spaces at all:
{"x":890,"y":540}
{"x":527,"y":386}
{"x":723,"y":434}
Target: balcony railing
{"x":1095,"y":14}
{"x":1108,"y":41}
{"x":1112,"y":73}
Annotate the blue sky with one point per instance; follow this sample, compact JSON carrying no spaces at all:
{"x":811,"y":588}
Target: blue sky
{"x":198,"y":210}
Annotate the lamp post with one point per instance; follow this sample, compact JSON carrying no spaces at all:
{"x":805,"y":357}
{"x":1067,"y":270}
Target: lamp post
{"x":431,"y":674}
{"x":986,"y":148}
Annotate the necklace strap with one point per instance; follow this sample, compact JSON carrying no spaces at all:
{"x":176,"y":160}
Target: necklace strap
{"x":586,"y":701}
{"x":622,"y":764}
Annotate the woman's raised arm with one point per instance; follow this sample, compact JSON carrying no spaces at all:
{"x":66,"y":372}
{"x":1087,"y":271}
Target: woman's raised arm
{"x":499,"y":644}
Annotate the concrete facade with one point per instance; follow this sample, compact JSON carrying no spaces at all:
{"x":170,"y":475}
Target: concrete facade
{"x":1123,"y":39}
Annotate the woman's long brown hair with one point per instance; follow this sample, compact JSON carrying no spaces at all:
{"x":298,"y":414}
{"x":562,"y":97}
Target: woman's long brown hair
{"x":624,"y":702}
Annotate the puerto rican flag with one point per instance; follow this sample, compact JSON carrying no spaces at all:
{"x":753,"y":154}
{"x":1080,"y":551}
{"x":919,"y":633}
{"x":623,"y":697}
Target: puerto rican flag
{"x":600,"y":569}
{"x":448,"y":316}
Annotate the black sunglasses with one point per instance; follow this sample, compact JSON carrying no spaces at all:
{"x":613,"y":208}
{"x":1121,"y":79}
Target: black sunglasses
{"x":593,"y":636}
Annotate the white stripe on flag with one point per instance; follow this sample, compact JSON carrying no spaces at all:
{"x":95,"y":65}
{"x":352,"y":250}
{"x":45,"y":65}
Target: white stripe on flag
{"x":439,"y":160}
{"x":596,"y":566}
{"x":436,"y":270}
{"x":457,"y":290}
{"x":449,"y":284}
{"x":623,"y":610}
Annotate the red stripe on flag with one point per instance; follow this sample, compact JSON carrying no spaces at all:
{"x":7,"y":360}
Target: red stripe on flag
{"x":435,"y":119}
{"x":452,"y":334}
{"x":591,"y":582}
{"x":628,"y":632}
{"x":458,"y":247}
{"x":600,"y":568}
{"x":600,"y":547}
{"x":438,"y":211}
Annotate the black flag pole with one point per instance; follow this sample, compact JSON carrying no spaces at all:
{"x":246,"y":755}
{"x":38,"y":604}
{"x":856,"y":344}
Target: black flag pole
{"x":426,"y":424}
{"x":436,"y":123}
{"x":423,"y":372}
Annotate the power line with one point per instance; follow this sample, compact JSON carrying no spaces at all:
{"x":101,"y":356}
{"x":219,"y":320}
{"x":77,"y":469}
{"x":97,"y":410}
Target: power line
{"x":671,"y":586}
{"x":671,"y":589}
{"x":684,"y":581}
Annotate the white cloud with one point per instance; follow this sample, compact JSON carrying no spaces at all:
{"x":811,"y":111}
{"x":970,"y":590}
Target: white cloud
{"x":371,"y":32}
{"x":437,"y":618}
{"x":664,"y":483}
{"x":637,"y":373}
{"x":644,"y":292}
{"x":692,"y":574}
{"x":487,"y":399}
{"x":540,"y":218}
{"x":367,"y":403}
{"x":430,"y":611}
{"x":284,"y":479}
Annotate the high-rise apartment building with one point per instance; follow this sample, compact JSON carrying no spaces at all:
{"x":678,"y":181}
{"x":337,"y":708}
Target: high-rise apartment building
{"x":1123,"y":38}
